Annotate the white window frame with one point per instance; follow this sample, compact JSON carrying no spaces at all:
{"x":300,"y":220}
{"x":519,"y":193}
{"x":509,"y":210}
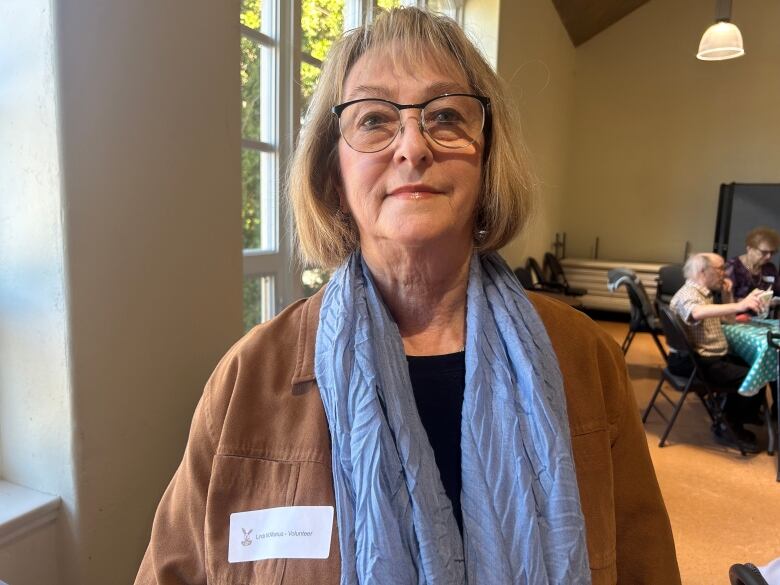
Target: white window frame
{"x":280,"y":111}
{"x":278,"y":102}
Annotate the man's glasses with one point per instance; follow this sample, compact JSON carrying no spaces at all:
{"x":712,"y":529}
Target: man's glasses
{"x":452,"y":120}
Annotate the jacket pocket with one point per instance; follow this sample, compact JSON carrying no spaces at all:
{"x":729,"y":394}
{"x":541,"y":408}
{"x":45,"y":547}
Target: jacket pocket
{"x":241,"y":484}
{"x":593,"y":464}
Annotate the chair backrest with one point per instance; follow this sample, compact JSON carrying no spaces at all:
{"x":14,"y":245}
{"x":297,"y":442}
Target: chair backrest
{"x":535,"y":270}
{"x":524,"y":276}
{"x":553,"y":267}
{"x":670,"y":280}
{"x":641,"y":307}
{"x":674,"y":332}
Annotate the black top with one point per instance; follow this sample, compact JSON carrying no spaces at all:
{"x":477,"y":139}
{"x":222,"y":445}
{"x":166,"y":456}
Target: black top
{"x":438,"y":382}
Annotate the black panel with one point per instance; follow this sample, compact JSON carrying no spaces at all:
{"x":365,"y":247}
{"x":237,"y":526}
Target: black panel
{"x":742,"y":207}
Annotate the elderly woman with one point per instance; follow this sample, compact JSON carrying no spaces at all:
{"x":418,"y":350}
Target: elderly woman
{"x":755,"y":269}
{"x":422,"y":420}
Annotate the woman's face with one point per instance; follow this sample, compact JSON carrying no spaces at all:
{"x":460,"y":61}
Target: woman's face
{"x":414,"y":192}
{"x":761,"y":254}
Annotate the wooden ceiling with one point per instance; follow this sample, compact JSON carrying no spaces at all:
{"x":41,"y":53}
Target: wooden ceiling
{"x":585,"y":19}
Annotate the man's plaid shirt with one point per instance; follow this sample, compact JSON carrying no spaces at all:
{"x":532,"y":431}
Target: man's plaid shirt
{"x":706,"y":335}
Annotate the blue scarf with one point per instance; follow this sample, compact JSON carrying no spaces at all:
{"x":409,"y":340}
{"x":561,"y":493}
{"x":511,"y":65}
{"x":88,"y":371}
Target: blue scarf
{"x":522,"y":521}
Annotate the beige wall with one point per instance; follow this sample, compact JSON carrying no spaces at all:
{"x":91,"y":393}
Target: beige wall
{"x":655,"y":131}
{"x":536,"y":59}
{"x":150,"y":150}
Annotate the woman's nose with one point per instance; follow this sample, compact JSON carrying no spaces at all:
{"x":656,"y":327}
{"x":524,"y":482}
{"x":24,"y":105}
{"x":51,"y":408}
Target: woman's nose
{"x":412,"y":142}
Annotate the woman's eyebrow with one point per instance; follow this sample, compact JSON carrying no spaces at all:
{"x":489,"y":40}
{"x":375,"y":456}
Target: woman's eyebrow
{"x":361,"y":91}
{"x":375,"y":91}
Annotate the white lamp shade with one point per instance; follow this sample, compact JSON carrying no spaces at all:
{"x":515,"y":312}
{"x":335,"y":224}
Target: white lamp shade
{"x":721,"y":41}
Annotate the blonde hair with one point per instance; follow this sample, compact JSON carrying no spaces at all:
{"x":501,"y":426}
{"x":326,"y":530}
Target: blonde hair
{"x":762,"y":234}
{"x":325,"y":235}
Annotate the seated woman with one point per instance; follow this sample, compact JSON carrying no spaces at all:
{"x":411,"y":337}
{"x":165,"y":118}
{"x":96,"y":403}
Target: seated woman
{"x":462,"y":430}
{"x":755,"y":269}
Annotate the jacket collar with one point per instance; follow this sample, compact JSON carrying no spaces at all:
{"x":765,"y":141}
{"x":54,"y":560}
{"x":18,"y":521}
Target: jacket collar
{"x":307,"y":338}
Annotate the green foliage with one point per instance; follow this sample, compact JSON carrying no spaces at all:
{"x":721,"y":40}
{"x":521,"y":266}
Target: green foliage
{"x":251,"y":13}
{"x":322,"y":22}
{"x":388,"y":4}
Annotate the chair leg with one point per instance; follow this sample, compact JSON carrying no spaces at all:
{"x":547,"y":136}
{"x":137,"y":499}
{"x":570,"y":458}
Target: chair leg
{"x":770,"y":427}
{"x":676,"y":412}
{"x":658,"y":344}
{"x":627,"y":341}
{"x":652,"y":399}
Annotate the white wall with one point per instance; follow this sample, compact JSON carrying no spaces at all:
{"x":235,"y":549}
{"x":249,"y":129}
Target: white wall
{"x":35,"y":390}
{"x":121,"y":270}
{"x":536,"y":58}
{"x":149,"y":95}
{"x":655,"y":131}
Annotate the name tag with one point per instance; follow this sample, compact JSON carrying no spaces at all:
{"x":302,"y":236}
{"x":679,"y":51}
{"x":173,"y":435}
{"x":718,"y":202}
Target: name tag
{"x":292,"y":532}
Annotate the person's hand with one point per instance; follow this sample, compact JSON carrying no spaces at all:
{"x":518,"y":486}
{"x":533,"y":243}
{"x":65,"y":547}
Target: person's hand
{"x":727,"y":285}
{"x":752,"y":302}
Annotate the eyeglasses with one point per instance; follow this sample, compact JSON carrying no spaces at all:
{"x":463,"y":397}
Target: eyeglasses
{"x":767,"y":252}
{"x":452,"y":120}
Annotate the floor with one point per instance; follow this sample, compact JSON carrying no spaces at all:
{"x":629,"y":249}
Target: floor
{"x":724,"y":508}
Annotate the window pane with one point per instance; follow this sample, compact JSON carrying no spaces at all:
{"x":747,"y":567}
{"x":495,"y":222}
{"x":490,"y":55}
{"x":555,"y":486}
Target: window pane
{"x":322,"y":22}
{"x":258,"y":205}
{"x":251,"y":11}
{"x":250,"y":89}
{"x":388,"y":4}
{"x":443,"y":6}
{"x":314,"y":279}
{"x":258,"y":300}
{"x":309,"y":76}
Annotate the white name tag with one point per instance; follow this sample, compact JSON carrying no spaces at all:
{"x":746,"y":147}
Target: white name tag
{"x":292,"y":532}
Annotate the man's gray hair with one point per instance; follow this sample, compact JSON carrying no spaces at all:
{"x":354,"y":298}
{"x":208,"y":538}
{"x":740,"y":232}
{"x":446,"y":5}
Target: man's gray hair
{"x":696,"y":264}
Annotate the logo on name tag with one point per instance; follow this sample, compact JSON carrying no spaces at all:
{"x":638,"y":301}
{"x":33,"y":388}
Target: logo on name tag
{"x":291,"y":532}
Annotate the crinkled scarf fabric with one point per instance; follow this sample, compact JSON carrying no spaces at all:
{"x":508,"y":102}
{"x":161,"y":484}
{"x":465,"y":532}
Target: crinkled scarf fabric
{"x":522,"y":521}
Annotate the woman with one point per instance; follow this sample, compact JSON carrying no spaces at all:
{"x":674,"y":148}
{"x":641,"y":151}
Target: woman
{"x":755,"y":269}
{"x":462,"y":432}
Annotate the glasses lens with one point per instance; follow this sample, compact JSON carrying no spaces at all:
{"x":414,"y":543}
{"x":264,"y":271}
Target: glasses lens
{"x":369,"y":126}
{"x":454,"y":121}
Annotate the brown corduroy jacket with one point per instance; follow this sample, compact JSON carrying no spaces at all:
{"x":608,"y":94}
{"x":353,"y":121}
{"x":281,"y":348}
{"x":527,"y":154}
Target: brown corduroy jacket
{"x":259,"y":439}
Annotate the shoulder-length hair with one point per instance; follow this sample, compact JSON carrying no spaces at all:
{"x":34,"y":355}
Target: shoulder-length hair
{"x":325,"y":235}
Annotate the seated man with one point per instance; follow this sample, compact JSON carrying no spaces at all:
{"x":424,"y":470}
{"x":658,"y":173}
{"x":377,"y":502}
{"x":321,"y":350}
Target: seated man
{"x":702,"y":318}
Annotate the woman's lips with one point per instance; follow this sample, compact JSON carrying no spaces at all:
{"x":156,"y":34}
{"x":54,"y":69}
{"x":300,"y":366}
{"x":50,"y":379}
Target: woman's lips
{"x":413,"y":195}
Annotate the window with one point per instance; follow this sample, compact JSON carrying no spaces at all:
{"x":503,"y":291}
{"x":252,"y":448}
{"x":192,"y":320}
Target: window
{"x":283,"y":44}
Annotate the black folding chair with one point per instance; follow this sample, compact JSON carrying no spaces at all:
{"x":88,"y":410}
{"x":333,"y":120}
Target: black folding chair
{"x":552,"y":266}
{"x":711,"y":396}
{"x":643,"y":316}
{"x":539,"y":279}
{"x":747,"y":574}
{"x":670,"y":280}
{"x":525,"y":278}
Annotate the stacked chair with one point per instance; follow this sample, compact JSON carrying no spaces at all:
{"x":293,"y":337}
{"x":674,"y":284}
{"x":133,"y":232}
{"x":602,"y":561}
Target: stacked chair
{"x":557,"y":277}
{"x":643,"y":315}
{"x":533,"y":278}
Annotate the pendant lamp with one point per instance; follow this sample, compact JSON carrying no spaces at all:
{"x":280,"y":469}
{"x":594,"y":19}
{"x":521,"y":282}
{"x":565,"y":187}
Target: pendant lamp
{"x":722,"y":40}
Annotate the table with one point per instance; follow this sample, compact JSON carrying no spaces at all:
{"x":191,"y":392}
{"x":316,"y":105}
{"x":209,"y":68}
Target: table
{"x":748,"y":341}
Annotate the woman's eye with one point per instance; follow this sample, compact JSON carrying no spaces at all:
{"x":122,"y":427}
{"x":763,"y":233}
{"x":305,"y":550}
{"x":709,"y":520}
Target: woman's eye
{"x":372,"y":120}
{"x":448,"y":116}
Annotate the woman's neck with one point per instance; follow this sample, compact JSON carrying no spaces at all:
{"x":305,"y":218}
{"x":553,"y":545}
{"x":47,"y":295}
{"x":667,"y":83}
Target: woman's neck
{"x":425,"y":293}
{"x":753,"y":268}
